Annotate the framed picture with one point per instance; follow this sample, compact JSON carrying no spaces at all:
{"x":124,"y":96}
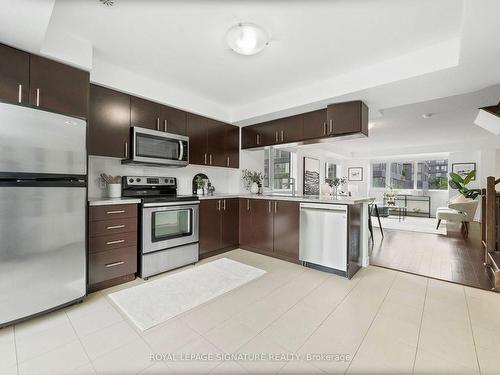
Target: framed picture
{"x":311,"y":176}
{"x":355,"y":174}
{"x":463,"y":169}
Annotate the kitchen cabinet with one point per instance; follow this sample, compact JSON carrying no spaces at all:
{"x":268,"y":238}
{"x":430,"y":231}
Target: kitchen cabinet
{"x":112,"y":245}
{"x":152,"y":115}
{"x":218,"y":225}
{"x":145,"y":113}
{"x":315,"y":124}
{"x":109,"y":123}
{"x":212,"y":142}
{"x":270,"y":227}
{"x":347,"y":118}
{"x":58,"y":87}
{"x":14,"y":75}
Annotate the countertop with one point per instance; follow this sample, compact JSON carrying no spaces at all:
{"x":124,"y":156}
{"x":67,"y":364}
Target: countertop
{"x":109,"y":201}
{"x":297,"y":198}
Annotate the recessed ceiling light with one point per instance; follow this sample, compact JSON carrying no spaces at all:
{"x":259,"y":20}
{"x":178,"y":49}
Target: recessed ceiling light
{"x":427,"y":115}
{"x":247,"y":38}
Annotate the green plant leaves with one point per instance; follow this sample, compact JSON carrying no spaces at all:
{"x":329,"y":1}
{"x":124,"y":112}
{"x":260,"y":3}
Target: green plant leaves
{"x":458,"y":183}
{"x":457,"y":178}
{"x":469,"y":177}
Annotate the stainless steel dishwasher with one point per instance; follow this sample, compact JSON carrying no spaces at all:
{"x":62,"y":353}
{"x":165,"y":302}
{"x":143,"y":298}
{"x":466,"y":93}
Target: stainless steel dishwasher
{"x":323,"y":236}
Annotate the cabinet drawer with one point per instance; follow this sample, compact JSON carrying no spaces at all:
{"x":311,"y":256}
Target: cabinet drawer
{"x":110,"y":264}
{"x":112,"y":241}
{"x":115,"y":211}
{"x":105,"y":227}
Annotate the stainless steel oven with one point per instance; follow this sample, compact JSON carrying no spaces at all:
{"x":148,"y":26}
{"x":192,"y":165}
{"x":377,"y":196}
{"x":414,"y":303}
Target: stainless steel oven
{"x":169,"y":224}
{"x":156,"y":147}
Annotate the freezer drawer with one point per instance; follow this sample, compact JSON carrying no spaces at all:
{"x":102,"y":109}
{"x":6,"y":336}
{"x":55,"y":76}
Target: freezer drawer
{"x":323,"y":235}
{"x":42,"y":249}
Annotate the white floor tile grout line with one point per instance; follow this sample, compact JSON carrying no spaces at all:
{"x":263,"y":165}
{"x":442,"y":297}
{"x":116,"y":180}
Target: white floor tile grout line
{"x":15,"y":348}
{"x":371,"y":323}
{"x":80,"y":341}
{"x":420,"y":326}
{"x":472,"y":330}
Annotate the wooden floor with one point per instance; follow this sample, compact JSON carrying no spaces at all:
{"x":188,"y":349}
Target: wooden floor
{"x":449,"y":258}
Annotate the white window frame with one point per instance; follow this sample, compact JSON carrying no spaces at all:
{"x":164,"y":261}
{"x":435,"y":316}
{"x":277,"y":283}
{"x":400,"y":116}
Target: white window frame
{"x":293,"y":172}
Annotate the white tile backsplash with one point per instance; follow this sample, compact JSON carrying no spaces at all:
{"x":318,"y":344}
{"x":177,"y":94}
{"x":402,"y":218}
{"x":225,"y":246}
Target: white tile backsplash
{"x":225,"y":180}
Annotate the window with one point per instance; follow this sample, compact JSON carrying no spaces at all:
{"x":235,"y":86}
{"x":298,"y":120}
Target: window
{"x":402,"y":175}
{"x":330,"y":171}
{"x":379,"y":175}
{"x":279,"y":167}
{"x":432,"y":174}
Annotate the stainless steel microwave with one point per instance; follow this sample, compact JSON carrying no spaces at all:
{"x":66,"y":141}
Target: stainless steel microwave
{"x":155,"y":147}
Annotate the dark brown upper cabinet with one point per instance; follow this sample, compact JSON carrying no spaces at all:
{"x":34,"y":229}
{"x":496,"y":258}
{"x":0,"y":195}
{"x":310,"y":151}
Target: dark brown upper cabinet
{"x":109,"y":123}
{"x":347,"y":118}
{"x":14,"y":75}
{"x":250,"y":136}
{"x":197,"y":133}
{"x":145,"y":113}
{"x":215,"y":143}
{"x":315,"y":124}
{"x":58,"y":87}
{"x":290,"y":129}
{"x":173,"y":120}
{"x":232,"y":146}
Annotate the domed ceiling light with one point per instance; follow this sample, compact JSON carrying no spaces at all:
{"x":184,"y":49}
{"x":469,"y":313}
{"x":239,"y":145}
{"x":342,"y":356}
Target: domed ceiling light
{"x":247,"y":38}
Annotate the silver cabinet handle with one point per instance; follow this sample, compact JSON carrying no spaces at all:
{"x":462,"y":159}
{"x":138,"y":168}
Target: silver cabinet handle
{"x":258,"y":139}
{"x":269,"y":204}
{"x":218,"y":205}
{"x":275,"y":206}
{"x":20,"y":93}
{"x":38,"y":97}
{"x":114,"y":264}
{"x":276,"y":136}
{"x":331,"y":126}
{"x":210,"y":159}
{"x":158,"y":123}
{"x":165,"y":126}
{"x":125,"y":145}
{"x":227,"y":161}
{"x":205,"y":158}
{"x":282,"y":136}
{"x":224,"y":205}
{"x":115,"y":212}
{"x":114,"y":242}
{"x":248,"y":204}
{"x":115,"y":226}
{"x":324,"y":128}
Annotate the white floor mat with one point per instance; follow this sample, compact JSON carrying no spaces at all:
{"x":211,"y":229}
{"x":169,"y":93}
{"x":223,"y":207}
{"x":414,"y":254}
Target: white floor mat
{"x":412,"y":224}
{"x":154,"y":302}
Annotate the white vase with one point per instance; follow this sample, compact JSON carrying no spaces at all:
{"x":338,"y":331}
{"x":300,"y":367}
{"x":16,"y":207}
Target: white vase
{"x":254,"y":188}
{"x":114,"y":190}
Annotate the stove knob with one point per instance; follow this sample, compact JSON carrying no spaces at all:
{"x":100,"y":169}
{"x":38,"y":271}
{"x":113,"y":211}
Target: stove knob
{"x":172,"y":180}
{"x":167,"y":180}
{"x":137,"y":180}
{"x":130,"y":180}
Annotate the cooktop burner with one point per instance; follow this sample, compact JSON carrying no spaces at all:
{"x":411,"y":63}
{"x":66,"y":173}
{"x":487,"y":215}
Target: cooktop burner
{"x":153,"y":189}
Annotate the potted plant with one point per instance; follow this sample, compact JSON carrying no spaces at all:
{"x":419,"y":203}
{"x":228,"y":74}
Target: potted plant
{"x":390,"y":195}
{"x":252,"y":180}
{"x":457,"y":182}
{"x":335,"y":183}
{"x":200,"y":185}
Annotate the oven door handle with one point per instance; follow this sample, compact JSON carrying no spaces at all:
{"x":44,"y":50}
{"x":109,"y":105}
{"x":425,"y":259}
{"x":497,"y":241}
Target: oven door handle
{"x":171,"y":204}
{"x":181,"y":150}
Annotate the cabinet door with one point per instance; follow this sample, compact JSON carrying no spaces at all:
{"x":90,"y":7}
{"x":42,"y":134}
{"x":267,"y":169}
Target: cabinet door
{"x":286,"y":228}
{"x":173,"y":120}
{"x":109,"y":122}
{"x":215,"y":143}
{"x":291,"y":129}
{"x":245,"y":222}
{"x":249,"y":136}
{"x":232,"y":146}
{"x":197,"y":133}
{"x":270,"y":132}
{"x":315,"y":124}
{"x":210,"y":225}
{"x":144,"y":113}
{"x":262,"y":222}
{"x":230,"y":222}
{"x":348,"y":117}
{"x":14,"y":74}
{"x":58,"y":87}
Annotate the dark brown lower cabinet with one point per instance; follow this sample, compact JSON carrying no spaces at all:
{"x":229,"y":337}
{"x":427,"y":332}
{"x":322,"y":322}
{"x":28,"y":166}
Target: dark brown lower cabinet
{"x":112,"y":245}
{"x":270,"y":227}
{"x":218,"y":225}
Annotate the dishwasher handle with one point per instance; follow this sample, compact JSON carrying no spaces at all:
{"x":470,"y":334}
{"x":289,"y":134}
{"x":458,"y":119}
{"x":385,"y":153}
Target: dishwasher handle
{"x":324,"y":207}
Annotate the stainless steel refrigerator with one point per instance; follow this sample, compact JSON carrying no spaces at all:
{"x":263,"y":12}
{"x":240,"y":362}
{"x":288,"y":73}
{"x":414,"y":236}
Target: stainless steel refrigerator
{"x":43,"y":165}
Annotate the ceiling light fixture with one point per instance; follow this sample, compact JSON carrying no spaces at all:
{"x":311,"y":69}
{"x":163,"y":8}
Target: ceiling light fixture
{"x":247,"y":38}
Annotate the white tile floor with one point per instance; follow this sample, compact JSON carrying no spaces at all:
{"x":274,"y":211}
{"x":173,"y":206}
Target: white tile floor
{"x":386,"y":322}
